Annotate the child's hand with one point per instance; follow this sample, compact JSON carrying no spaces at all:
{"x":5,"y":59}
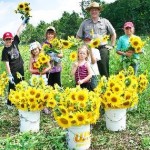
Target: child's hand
{"x":75,"y":64}
{"x":129,"y":53}
{"x":80,"y":82}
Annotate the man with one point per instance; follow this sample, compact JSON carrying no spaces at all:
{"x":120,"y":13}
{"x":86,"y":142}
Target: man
{"x":97,"y":27}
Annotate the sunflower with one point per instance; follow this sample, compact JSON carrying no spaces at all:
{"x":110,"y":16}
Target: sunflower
{"x":21,"y":6}
{"x":37,"y":65}
{"x":81,"y":118}
{"x":114,"y":100}
{"x":63,"y":121}
{"x":82,"y":95}
{"x":63,"y":110}
{"x":72,"y":96}
{"x":66,"y":44}
{"x":73,"y":56}
{"x":94,"y":43}
{"x":51,"y":103}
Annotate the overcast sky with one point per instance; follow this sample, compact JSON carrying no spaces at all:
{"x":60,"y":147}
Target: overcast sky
{"x":46,"y":10}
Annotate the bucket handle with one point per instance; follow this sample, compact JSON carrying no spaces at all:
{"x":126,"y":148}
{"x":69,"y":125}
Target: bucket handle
{"x":21,"y":116}
{"x":115,"y":120}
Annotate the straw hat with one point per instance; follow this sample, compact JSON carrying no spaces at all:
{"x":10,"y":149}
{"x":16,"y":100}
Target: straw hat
{"x":93,"y":5}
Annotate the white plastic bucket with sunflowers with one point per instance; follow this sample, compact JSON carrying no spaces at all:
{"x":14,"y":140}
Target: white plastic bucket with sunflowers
{"x":115,"y":119}
{"x":29,"y":121}
{"x":78,"y":137}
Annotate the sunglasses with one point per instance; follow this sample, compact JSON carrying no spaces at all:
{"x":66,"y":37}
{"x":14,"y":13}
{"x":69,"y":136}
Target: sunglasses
{"x":127,"y":28}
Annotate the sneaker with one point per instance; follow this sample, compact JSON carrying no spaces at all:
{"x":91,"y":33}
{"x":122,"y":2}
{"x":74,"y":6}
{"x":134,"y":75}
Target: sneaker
{"x":46,"y":111}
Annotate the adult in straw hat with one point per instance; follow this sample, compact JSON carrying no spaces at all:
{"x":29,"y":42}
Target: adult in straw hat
{"x":97,"y":27}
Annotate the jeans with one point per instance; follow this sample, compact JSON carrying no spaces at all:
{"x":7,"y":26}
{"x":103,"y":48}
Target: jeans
{"x":94,"y":81}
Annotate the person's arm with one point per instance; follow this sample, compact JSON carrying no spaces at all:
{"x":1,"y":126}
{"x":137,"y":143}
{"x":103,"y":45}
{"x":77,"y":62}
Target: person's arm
{"x":31,"y":67}
{"x":128,"y":53}
{"x":113,"y":39}
{"x":47,"y":69}
{"x":7,"y":67}
{"x":89,"y":75}
{"x":93,"y":59}
{"x":74,"y":68}
{"x":60,"y":55}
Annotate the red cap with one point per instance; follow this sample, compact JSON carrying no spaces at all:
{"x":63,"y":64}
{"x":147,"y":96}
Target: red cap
{"x":128,"y":24}
{"x":7,"y":35}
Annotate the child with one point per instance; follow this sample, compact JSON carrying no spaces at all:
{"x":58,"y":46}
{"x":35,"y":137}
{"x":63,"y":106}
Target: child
{"x":81,"y":69}
{"x":54,"y":75}
{"x":123,"y":44}
{"x":94,"y":56}
{"x":12,"y":58}
{"x":35,"y":49}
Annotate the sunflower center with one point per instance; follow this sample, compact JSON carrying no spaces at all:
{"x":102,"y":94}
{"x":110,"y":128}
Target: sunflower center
{"x":64,"y":121}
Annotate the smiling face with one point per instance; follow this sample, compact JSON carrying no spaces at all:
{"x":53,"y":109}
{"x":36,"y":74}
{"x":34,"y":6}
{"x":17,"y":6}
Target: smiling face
{"x":8,"y":42}
{"x":35,"y":52}
{"x":129,"y":31}
{"x":83,"y":53}
{"x":94,"y":12}
{"x":50,"y":35}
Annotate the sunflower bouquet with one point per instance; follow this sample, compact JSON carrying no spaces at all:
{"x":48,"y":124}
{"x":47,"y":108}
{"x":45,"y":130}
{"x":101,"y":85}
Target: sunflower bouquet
{"x":30,"y":98}
{"x":24,"y":9}
{"x":56,"y":45}
{"x":41,"y":62}
{"x":74,"y":106}
{"x":136,"y":47}
{"x":3,"y":83}
{"x":121,"y":90}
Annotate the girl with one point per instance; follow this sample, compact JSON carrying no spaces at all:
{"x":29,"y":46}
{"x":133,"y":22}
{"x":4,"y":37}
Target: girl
{"x":54,"y":75}
{"x":35,"y":49}
{"x":81,"y":69}
{"x":123,"y":44}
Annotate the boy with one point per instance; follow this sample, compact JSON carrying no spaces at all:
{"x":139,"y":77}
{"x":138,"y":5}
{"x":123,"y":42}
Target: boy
{"x":12,"y":58}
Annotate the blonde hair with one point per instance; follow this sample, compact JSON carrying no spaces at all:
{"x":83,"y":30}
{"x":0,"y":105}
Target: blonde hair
{"x":84,"y":46}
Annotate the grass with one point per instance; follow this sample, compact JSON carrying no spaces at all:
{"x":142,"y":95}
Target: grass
{"x":51,"y":137}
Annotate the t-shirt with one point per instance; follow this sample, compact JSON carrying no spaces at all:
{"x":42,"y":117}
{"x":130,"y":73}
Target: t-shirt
{"x":94,"y":66}
{"x":12,"y":55}
{"x":123,"y":44}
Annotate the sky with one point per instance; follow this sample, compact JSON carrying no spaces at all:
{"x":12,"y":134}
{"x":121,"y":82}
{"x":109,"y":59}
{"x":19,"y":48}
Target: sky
{"x":46,"y":10}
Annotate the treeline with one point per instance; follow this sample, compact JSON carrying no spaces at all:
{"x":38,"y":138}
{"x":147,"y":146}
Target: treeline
{"x":118,"y":13}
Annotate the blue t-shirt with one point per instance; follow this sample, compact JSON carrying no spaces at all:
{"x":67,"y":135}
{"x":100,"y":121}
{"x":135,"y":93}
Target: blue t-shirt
{"x":123,"y":44}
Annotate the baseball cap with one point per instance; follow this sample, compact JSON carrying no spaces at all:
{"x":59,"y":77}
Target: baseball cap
{"x":7,"y":35}
{"x":51,"y":28}
{"x":35,"y":45}
{"x":128,"y":24}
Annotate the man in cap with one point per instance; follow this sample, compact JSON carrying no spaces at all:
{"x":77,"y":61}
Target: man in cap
{"x":97,"y":27}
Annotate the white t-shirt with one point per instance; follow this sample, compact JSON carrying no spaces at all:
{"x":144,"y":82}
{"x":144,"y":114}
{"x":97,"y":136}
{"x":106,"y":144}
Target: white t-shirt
{"x":94,"y":66}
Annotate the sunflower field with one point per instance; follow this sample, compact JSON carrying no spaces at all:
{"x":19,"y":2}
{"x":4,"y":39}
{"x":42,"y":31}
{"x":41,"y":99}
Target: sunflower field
{"x":52,"y":137}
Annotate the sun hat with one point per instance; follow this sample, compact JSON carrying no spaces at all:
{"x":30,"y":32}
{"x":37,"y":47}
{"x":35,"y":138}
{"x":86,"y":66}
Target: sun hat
{"x":128,"y":24}
{"x":35,"y":45}
{"x":51,"y":28}
{"x":93,"y":5}
{"x":7,"y":35}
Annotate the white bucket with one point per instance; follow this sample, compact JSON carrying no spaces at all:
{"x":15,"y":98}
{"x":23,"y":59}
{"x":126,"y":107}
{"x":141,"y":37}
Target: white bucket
{"x":29,"y":121}
{"x":79,"y":137}
{"x":115,"y":119}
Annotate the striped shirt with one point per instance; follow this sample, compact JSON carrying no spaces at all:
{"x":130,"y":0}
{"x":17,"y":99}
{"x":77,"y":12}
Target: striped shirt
{"x":81,"y":72}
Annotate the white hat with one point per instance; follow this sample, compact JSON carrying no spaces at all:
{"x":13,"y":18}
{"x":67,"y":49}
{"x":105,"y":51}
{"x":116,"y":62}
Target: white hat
{"x":35,"y":45}
{"x":51,"y":28}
